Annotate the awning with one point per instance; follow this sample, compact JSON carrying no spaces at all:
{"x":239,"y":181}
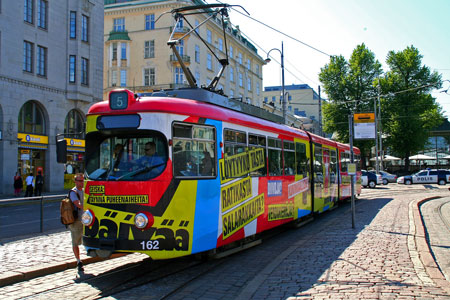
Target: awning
{"x":33,"y":146}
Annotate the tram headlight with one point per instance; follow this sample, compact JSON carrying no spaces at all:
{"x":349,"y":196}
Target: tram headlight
{"x":88,"y":218}
{"x":143,"y":220}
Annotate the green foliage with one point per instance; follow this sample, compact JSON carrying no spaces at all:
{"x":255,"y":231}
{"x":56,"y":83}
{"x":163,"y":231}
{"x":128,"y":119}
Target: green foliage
{"x":410,"y":113}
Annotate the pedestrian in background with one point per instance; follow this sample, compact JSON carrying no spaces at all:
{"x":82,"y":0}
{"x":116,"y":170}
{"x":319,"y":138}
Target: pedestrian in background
{"x":76,"y":229}
{"x":39,"y":183}
{"x":30,"y":185}
{"x":18,"y":184}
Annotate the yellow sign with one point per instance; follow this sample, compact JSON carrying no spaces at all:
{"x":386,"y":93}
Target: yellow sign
{"x":25,"y":151}
{"x":119,"y":199}
{"x":280,"y":211}
{"x":32,"y":138}
{"x":235,"y":193}
{"x":240,"y":164}
{"x":75,"y":142}
{"x":242,"y":215}
{"x":364,"y":118}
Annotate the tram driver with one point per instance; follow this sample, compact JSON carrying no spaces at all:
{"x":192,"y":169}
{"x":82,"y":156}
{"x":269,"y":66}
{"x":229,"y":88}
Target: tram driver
{"x":151,"y":159}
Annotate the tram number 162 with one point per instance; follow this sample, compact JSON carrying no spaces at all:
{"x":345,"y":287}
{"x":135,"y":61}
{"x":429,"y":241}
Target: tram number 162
{"x":150,"y":245}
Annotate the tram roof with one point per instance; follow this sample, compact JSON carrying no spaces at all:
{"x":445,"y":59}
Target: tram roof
{"x":199,"y":104}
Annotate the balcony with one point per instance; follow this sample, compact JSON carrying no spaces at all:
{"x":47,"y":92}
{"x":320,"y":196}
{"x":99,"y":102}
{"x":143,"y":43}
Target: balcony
{"x":118,"y":35}
{"x":185,"y":58}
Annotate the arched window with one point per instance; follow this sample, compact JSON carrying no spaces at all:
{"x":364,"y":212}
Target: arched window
{"x":74,"y":124}
{"x":31,"y":118}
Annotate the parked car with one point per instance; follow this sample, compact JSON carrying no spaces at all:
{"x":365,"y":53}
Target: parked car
{"x":440,"y":177}
{"x":369,"y":179}
{"x":387,"y":177}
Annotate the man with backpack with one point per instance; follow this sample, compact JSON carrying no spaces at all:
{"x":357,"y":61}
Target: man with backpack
{"x":76,"y":229}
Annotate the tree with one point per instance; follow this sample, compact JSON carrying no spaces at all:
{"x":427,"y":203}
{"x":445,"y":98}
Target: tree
{"x":347,"y":85}
{"x":410,"y":112}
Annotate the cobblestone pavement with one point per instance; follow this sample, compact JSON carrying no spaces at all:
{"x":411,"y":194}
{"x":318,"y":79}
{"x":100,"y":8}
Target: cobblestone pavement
{"x":382,"y":258}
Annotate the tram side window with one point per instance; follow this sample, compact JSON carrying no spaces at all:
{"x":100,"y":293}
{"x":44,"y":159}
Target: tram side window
{"x":301,"y":161}
{"x":345,"y":159}
{"x":333,"y":167}
{"x":318,"y":164}
{"x":289,"y":157}
{"x":235,"y":146}
{"x":257,"y":152}
{"x":274,"y":151}
{"x":194,"y":150}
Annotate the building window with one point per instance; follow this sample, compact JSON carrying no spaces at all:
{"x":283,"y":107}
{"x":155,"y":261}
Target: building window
{"x":241,"y":80}
{"x":84,"y":28}
{"x":72,"y":68}
{"x":119,"y":24}
{"x":31,"y":119}
{"x":41,"y":67}
{"x":197,"y":23}
{"x":180,"y":47}
{"x":84,"y":71}
{"x":197,"y":53}
{"x":231,"y":93}
{"x":123,"y":51}
{"x":179,"y":76}
{"x":149,"y":22}
{"x":114,"y":77}
{"x":220,"y":44}
{"x":231,"y":51}
{"x":123,"y":78}
{"x":42,"y":14}
{"x":249,"y":65}
{"x":180,"y":25}
{"x":231,"y":74}
{"x":265,"y":99}
{"x":257,"y":69}
{"x":209,"y":61}
{"x":73,"y":24}
{"x":28,"y":56}
{"x":197,"y":76}
{"x":28,"y":11}
{"x":74,"y":124}
{"x":257,"y":88}
{"x":240,"y":58}
{"x":149,"y":49}
{"x":114,"y":51}
{"x":149,"y":76}
{"x":249,"y":84}
{"x":208,"y":36}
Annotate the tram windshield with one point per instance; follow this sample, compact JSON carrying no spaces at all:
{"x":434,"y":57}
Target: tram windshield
{"x":127,"y":158}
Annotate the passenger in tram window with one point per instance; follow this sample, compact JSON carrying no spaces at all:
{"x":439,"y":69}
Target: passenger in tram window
{"x":207,"y":164}
{"x":151,"y":159}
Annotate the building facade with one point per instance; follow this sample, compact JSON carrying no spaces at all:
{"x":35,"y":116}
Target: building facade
{"x":51,"y":71}
{"x":137,"y":56}
{"x":303,"y":104}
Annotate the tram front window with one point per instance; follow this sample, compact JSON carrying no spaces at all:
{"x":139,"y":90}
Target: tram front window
{"x":125,"y":158}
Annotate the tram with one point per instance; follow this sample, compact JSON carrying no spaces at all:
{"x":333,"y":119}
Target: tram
{"x":187,"y":171}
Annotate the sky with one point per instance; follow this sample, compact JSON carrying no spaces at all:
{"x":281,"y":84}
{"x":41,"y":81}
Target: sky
{"x":336,"y":27}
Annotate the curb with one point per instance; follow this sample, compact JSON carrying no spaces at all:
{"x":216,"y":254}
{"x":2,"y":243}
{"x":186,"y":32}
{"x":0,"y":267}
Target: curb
{"x":424,"y":250}
{"x":12,"y":277}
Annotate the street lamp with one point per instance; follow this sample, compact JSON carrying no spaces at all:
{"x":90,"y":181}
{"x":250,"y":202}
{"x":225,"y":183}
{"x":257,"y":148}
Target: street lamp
{"x":267,"y":60}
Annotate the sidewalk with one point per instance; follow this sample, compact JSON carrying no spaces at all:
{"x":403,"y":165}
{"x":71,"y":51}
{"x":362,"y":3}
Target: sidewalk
{"x":49,"y":253}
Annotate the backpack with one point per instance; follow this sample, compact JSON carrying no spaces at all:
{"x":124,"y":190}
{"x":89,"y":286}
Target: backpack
{"x":69,"y":213}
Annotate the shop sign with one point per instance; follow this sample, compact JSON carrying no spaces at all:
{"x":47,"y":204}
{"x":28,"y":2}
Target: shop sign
{"x":32,"y":138}
{"x":25,"y":151}
{"x":75,"y":142}
{"x":25,"y":156}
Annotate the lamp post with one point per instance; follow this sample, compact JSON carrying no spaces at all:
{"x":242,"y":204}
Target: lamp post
{"x":267,"y":60}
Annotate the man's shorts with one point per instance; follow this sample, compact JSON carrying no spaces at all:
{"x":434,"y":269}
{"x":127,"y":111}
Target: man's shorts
{"x":76,"y":232}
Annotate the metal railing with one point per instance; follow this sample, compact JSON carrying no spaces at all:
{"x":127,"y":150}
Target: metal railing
{"x":33,"y":200}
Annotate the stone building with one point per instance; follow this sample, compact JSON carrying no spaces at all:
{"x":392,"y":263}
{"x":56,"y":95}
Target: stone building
{"x":137,"y":56}
{"x":51,"y":71}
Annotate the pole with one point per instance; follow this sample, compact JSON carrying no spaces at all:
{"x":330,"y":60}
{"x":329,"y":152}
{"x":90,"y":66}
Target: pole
{"x":320,"y":114}
{"x":379,"y":124}
{"x":282,"y":83}
{"x":377,"y":166}
{"x":350,"y":135}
